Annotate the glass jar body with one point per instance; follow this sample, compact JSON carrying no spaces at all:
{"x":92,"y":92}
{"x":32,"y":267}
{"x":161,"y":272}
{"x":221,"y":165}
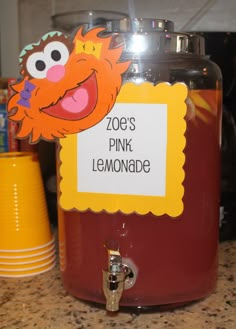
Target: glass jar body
{"x":176,"y":258}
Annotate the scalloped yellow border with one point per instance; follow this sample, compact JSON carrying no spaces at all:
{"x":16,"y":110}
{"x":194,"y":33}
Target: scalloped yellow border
{"x":163,"y":93}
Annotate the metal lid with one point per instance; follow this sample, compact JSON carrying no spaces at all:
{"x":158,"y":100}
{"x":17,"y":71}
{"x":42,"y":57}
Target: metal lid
{"x":140,"y":36}
{"x":152,"y":44}
{"x":140,"y":25}
{"x":147,"y":37}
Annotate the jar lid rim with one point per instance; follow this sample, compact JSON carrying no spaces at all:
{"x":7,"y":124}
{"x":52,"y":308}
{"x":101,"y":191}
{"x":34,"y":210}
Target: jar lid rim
{"x":139,"y":24}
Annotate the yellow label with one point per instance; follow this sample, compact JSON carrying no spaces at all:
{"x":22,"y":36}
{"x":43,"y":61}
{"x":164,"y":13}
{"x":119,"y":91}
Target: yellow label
{"x":131,"y":161}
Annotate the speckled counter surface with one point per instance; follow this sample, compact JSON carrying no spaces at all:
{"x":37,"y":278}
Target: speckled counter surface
{"x":41,"y":302}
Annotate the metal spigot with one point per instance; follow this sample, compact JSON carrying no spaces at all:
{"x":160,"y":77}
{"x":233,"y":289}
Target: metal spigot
{"x":114,"y":280}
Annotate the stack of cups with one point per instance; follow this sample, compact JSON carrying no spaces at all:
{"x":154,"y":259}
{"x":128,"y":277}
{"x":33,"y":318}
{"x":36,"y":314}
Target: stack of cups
{"x":27,"y":244}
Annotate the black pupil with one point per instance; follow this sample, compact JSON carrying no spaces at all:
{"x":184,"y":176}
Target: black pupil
{"x":40,"y":65}
{"x":56,"y":55}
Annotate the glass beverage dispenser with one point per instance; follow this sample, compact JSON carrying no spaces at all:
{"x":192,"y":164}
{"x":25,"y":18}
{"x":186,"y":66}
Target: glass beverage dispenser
{"x":141,"y":227}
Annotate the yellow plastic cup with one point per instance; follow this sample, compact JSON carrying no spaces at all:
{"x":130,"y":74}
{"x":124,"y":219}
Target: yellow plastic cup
{"x":26,"y":260}
{"x":28,"y":266}
{"x":27,"y":272}
{"x":22,"y":253}
{"x":24,"y":221}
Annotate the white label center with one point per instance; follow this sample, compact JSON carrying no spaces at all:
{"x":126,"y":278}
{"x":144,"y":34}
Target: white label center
{"x":126,"y":152}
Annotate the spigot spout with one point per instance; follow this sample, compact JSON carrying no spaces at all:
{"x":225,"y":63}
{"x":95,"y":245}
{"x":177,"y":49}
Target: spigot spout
{"x":113,"y":286}
{"x":113,"y":280}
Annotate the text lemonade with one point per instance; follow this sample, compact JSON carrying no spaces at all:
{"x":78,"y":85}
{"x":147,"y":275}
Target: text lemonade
{"x":124,"y":145}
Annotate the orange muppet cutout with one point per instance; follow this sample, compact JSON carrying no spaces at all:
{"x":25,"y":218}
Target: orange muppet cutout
{"x":67,"y":86}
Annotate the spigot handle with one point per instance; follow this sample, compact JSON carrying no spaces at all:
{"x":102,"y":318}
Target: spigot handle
{"x":114,"y":261}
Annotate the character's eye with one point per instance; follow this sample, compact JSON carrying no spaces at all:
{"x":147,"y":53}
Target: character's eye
{"x":40,"y":65}
{"x":36,"y":65}
{"x":54,"y":53}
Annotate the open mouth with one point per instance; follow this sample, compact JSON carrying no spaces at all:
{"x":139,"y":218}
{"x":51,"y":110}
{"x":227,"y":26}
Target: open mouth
{"x":77,"y":103}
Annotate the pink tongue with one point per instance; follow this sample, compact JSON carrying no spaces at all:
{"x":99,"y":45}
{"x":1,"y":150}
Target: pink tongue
{"x":77,"y":102}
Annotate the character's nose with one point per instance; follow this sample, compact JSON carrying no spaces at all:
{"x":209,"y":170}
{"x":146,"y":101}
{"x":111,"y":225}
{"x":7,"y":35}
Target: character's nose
{"x":56,"y":73}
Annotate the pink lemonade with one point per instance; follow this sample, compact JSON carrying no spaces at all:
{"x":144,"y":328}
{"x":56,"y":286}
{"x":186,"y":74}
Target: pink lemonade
{"x":176,"y":258}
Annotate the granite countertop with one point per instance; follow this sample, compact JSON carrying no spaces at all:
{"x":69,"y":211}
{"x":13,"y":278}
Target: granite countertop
{"x":41,"y":302}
